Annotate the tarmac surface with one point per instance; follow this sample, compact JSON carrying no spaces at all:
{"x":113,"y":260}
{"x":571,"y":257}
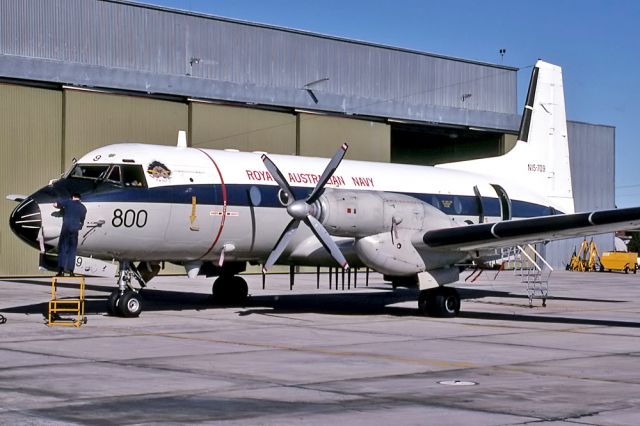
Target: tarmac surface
{"x":358,"y":357}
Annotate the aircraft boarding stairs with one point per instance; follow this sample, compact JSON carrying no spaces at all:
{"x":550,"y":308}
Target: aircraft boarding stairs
{"x":532,"y":268}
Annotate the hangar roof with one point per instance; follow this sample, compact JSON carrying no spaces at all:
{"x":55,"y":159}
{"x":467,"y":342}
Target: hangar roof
{"x":123,"y":45}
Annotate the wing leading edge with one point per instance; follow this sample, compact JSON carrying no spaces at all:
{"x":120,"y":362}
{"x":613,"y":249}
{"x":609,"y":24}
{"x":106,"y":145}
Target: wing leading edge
{"x":522,"y":231}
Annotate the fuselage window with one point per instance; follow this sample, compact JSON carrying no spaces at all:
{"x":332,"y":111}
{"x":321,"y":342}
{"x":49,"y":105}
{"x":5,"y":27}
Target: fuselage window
{"x":255,"y":196}
{"x":457,"y":205}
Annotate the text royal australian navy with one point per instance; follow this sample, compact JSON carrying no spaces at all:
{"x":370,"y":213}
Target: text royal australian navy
{"x":310,"y":178}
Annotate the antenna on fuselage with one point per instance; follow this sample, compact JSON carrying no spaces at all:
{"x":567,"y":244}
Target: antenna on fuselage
{"x":182,"y":139}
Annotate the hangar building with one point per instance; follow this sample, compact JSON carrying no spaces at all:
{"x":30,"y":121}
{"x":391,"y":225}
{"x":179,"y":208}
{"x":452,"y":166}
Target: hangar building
{"x":79,"y":74}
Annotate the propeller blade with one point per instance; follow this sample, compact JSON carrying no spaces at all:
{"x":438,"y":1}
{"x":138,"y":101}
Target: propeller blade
{"x":282,"y":243}
{"x":41,"y":240}
{"x":300,"y":210}
{"x":328,"y":172}
{"x":278,"y":177}
{"x":324,"y":237}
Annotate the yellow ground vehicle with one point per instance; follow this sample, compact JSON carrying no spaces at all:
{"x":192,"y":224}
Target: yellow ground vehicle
{"x":619,"y":261}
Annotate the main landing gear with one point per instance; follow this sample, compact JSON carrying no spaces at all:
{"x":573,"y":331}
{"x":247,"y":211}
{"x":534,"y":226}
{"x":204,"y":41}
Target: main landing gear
{"x":439,"y":302}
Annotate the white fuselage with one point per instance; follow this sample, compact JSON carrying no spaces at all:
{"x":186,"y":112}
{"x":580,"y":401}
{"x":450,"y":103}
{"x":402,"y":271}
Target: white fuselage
{"x":202,"y":200}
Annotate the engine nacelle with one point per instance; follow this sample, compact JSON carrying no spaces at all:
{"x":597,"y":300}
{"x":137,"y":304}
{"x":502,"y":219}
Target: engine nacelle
{"x":359,"y":214}
{"x":390,"y":256}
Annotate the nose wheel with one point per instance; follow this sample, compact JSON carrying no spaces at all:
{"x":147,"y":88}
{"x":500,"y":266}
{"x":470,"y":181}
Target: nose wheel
{"x":127,"y":305}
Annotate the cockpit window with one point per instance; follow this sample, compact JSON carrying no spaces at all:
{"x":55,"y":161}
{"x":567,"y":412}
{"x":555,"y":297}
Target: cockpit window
{"x":129,"y":175}
{"x":114,"y":174}
{"x":89,"y":171}
{"x":132,"y":175}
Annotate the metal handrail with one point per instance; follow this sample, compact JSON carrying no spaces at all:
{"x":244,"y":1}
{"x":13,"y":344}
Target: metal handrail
{"x":540,"y":256}
{"x":529,"y":258}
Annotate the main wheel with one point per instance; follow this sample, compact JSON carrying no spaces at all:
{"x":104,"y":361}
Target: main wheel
{"x":230,"y":290}
{"x":112,"y":303}
{"x":450,"y":302}
{"x":130,"y":304}
{"x":439,"y":302}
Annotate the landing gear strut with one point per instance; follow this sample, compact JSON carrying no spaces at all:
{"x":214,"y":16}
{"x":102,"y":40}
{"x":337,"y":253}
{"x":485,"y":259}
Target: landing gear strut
{"x":126,"y":300}
{"x":439,"y":302}
{"x":229,"y":290}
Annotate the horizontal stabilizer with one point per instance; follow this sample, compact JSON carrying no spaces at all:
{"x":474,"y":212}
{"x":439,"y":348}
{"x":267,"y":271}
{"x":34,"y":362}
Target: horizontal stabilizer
{"x":18,"y":198}
{"x":545,"y":228}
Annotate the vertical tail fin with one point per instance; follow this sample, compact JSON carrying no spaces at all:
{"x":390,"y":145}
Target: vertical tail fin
{"x":540,"y":158}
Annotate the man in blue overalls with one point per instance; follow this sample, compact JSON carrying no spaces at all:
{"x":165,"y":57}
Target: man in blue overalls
{"x":73,"y":214}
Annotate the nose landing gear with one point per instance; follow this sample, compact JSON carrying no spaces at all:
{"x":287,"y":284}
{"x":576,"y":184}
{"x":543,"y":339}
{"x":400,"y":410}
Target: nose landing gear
{"x":126,"y":301}
{"x":127,"y":305}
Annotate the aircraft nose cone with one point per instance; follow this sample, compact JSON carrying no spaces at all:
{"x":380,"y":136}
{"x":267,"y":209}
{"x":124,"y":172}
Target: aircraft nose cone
{"x":26,"y":220}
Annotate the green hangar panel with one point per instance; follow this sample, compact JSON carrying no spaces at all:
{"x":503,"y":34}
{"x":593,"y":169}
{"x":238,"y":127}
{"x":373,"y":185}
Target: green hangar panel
{"x":321,"y":135}
{"x":30,"y":155}
{"x":246,"y":129}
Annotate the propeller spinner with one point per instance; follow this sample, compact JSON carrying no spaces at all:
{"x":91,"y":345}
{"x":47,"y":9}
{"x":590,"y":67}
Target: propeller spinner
{"x":305,"y":210}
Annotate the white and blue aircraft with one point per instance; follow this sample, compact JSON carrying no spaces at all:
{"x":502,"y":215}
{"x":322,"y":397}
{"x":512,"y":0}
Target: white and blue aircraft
{"x":215,"y":211}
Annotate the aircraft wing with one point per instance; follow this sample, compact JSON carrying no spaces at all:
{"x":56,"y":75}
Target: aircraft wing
{"x":523,"y":231}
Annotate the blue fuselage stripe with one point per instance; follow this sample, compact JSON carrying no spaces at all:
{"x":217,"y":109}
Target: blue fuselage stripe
{"x":238,"y":195}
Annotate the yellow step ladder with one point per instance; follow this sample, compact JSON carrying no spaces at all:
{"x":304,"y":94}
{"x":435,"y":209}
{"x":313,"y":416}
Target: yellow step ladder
{"x":74,"y":306}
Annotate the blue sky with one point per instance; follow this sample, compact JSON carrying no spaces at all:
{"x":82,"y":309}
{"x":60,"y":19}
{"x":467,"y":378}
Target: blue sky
{"x":596,"y":42}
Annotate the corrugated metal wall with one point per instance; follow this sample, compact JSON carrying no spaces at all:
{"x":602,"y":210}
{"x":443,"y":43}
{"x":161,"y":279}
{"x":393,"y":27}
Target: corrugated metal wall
{"x":592,"y":152}
{"x":121,"y":45}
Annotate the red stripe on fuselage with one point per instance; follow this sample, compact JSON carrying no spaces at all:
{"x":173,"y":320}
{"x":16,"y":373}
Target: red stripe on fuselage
{"x":224,"y":203}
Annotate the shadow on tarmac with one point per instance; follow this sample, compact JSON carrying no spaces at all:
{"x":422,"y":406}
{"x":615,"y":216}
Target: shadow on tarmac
{"x":492,"y":316}
{"x":339,"y":303}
